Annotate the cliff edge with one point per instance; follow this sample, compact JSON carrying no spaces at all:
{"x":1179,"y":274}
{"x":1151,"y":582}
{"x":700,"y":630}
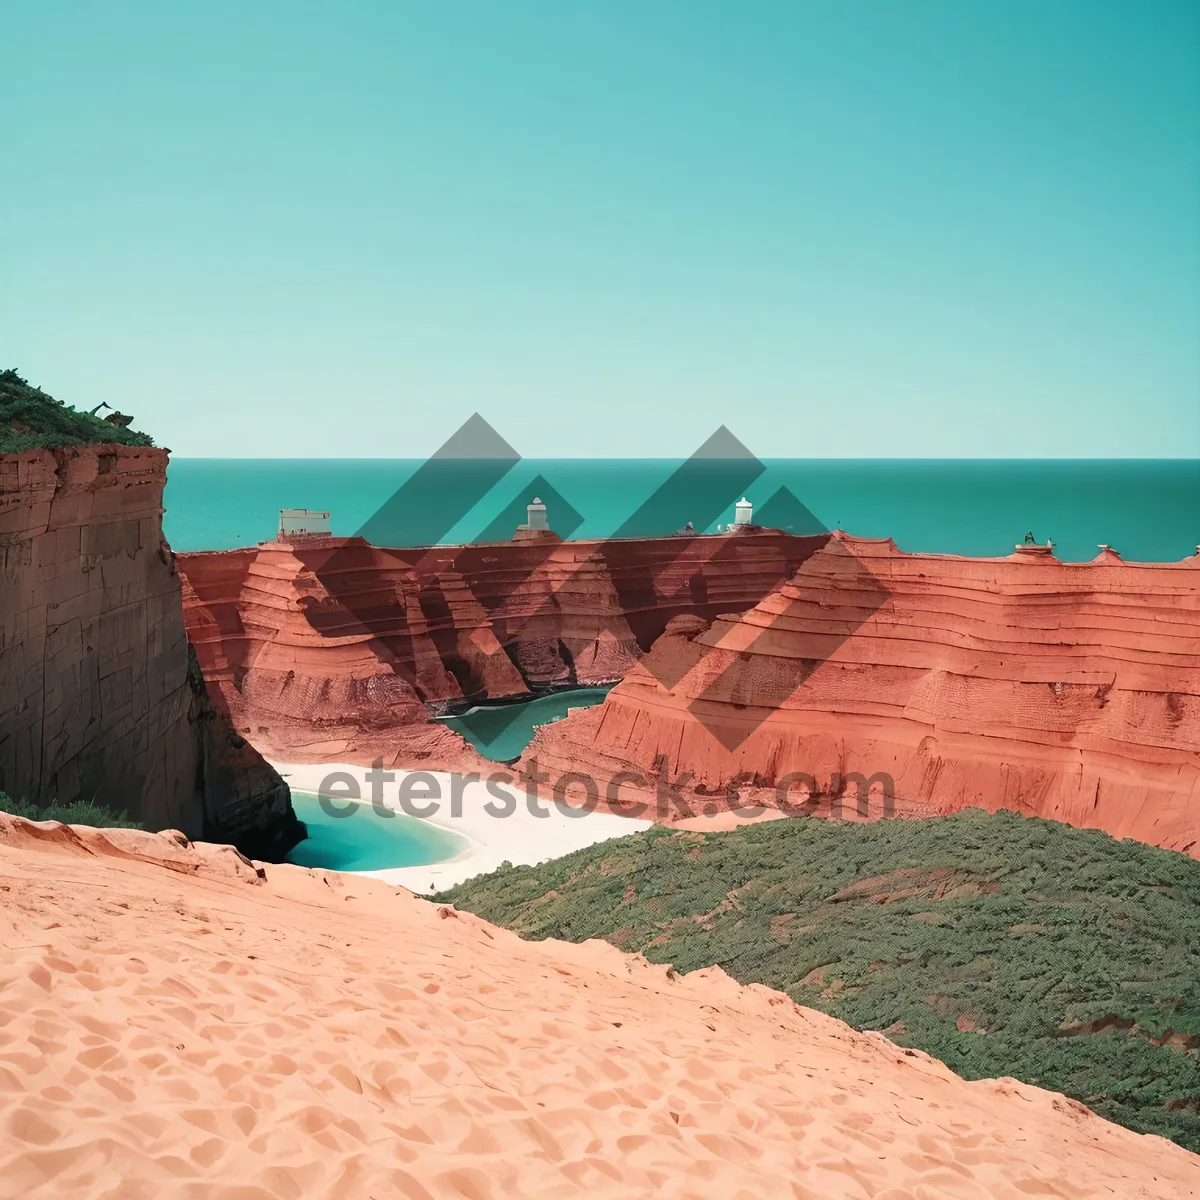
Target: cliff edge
{"x":101,"y":697}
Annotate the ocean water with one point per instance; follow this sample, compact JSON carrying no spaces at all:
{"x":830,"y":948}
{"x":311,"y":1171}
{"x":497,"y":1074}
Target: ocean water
{"x":501,"y":731}
{"x":365,"y":841}
{"x":1149,"y":510}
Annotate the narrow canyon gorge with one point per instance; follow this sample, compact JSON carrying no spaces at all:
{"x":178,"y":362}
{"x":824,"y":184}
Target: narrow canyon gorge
{"x":1065,"y":690}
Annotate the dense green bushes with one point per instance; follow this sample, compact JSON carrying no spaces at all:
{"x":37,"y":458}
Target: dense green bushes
{"x":1000,"y":944}
{"x":81,"y":812}
{"x":32,"y":420}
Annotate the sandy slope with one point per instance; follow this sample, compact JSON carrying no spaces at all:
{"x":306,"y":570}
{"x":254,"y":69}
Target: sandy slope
{"x":188,"y":1029}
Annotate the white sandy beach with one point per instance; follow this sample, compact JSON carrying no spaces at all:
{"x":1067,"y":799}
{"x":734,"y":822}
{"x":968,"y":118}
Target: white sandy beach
{"x":520,"y":837}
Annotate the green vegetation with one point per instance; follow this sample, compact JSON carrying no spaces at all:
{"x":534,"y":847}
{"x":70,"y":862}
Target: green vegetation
{"x":1002,"y":945}
{"x":32,"y":420}
{"x":81,"y":812}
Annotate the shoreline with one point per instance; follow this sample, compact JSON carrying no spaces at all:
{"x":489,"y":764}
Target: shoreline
{"x":444,"y":710}
{"x":519,"y":837}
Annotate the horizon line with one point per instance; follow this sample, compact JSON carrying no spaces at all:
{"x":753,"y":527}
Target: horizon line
{"x":683,"y":457}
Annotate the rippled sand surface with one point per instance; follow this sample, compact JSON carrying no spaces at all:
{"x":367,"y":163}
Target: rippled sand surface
{"x":177,"y":1023}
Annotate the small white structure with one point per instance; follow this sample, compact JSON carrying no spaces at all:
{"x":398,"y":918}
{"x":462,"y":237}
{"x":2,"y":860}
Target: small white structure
{"x":743,"y":511}
{"x":537,"y":516}
{"x":302,"y":522}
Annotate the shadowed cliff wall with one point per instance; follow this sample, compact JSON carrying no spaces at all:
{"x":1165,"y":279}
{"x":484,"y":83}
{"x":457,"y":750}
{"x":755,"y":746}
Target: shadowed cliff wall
{"x":334,"y":649}
{"x":100,"y":696}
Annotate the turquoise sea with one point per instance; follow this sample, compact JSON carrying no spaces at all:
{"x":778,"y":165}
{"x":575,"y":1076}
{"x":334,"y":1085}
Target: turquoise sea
{"x":1147,"y":509}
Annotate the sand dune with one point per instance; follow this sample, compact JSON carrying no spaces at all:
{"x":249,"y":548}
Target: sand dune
{"x":177,"y":1023}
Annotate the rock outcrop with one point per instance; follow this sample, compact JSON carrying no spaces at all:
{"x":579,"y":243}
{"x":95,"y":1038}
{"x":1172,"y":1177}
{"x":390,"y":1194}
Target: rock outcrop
{"x":1069,"y":691}
{"x":100,"y":696}
{"x":331,"y":649}
{"x":325,"y":654}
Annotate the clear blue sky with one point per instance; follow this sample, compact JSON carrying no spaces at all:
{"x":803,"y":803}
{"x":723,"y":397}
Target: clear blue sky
{"x":915,"y":228}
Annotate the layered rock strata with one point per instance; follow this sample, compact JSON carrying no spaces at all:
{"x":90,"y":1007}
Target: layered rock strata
{"x":306,"y":677}
{"x":100,"y":697}
{"x":333,"y":649}
{"x":1069,"y":691}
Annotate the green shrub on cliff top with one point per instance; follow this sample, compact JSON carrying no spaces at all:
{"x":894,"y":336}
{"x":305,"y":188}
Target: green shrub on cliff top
{"x":30,"y":419}
{"x":1002,"y":945}
{"x":81,"y":812}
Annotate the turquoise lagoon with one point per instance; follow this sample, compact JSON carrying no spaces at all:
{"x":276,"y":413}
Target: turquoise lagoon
{"x":365,"y":841}
{"x":501,"y":731}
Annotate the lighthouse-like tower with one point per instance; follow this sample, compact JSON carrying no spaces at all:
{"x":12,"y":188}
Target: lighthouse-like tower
{"x":537,"y":515}
{"x":537,"y":527}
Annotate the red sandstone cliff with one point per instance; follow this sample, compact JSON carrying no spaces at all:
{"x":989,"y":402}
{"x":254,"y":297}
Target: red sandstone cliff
{"x":304,"y":675}
{"x":100,"y":697}
{"x":326,"y":649}
{"x":1069,"y":691}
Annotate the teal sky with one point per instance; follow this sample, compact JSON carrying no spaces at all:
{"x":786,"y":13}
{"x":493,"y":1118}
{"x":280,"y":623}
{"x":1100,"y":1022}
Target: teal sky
{"x":918,"y":228}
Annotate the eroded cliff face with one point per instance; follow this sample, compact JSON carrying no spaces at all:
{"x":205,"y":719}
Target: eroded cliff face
{"x":1069,"y":691}
{"x":307,"y":677}
{"x":333,"y":649}
{"x":100,"y":697}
